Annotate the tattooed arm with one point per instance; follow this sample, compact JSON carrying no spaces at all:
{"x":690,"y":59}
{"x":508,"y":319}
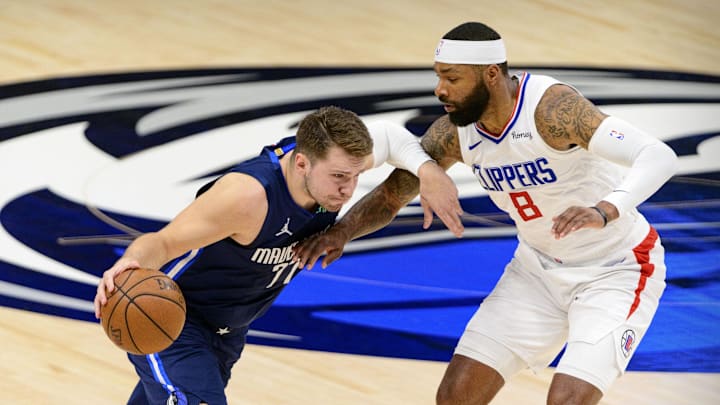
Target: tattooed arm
{"x":441,"y":142}
{"x":376,"y":209}
{"x":566,"y":119}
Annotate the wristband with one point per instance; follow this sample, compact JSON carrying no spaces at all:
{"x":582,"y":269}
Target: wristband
{"x":602,"y":214}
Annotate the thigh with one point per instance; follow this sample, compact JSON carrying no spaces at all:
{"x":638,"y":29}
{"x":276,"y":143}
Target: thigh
{"x":626,"y":292}
{"x":609,"y":317}
{"x":604,"y":334}
{"x":594,"y":363}
{"x":607,"y":323}
{"x":518,"y":325}
{"x":228,"y":349}
{"x":138,"y":396}
{"x":190,"y":369}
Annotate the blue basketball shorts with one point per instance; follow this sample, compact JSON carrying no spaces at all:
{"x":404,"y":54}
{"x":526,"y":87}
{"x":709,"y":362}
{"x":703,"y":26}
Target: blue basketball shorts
{"x":194,"y":369}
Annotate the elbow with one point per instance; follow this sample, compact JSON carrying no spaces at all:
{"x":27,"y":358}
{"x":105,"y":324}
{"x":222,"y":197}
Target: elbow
{"x":661,"y":159}
{"x":672,"y":162}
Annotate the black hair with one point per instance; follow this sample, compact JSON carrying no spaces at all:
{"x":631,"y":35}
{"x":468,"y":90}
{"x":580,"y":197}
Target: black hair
{"x":475,"y":31}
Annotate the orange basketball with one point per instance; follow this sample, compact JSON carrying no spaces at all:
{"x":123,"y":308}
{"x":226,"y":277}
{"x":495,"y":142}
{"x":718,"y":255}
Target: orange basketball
{"x":145,"y":313}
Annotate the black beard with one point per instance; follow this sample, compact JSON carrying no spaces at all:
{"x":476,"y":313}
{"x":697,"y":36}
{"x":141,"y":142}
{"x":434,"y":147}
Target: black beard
{"x":472,"y":107}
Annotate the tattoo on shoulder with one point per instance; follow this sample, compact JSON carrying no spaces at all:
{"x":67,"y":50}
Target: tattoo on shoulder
{"x":441,"y":142}
{"x":564,"y":117}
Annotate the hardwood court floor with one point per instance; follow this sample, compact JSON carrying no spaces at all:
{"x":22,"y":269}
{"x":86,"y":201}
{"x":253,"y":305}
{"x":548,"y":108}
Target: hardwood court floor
{"x":49,"y":360}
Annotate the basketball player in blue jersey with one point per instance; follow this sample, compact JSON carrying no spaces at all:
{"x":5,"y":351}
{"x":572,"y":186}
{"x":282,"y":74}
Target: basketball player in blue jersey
{"x":588,"y":270}
{"x":230,"y":250}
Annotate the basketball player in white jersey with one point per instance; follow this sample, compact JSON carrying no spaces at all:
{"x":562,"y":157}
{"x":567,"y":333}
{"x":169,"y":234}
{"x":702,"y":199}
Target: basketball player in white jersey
{"x":588,"y":270}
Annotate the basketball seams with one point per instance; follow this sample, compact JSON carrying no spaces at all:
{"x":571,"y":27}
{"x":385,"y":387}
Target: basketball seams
{"x":162,"y":297}
{"x":142,"y":311}
{"x":135,"y":323}
{"x":140,"y":281}
{"x":118,"y":299}
{"x":122,"y":282}
{"x":127,"y":323}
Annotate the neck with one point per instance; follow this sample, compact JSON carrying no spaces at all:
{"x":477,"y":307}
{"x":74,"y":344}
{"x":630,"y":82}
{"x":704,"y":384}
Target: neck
{"x":296,"y":183}
{"x":500,"y":107}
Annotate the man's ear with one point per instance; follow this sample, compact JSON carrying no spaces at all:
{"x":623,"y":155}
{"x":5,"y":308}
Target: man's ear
{"x":301,"y":163}
{"x":491,"y":74}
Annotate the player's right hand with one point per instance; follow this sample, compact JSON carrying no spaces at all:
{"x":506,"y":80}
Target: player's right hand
{"x":329,"y":243}
{"x":107,"y":282}
{"x":439,"y":194}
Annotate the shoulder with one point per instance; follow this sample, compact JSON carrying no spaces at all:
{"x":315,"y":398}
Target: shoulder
{"x":557,"y":95}
{"x":237,"y":189}
{"x":234,"y":206}
{"x":241,"y":204}
{"x":565,"y":118}
{"x":441,"y":142}
{"x":236,"y":181}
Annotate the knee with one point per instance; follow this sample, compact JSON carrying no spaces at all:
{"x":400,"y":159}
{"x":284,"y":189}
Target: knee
{"x":563,"y":397}
{"x":464,"y":391}
{"x":458,"y":390}
{"x":446,"y":394}
{"x":467,"y":381}
{"x":573,"y":395}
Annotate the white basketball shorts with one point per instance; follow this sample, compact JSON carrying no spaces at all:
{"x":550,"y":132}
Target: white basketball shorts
{"x":601,"y":311}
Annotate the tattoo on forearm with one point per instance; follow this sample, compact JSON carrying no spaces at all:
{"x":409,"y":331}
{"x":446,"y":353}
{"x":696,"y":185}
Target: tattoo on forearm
{"x":379,"y":207}
{"x":441,"y":142}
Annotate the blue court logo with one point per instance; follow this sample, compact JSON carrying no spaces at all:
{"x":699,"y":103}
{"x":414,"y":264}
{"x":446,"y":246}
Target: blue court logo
{"x":91,"y":162}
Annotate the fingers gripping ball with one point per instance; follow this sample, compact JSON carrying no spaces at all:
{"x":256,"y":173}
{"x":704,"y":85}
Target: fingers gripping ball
{"x":145,"y":313}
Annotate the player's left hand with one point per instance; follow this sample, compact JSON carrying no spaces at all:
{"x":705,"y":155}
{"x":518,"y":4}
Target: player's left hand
{"x":329,"y":243}
{"x":106,"y":284}
{"x":575,"y":218}
{"x":439,"y":194}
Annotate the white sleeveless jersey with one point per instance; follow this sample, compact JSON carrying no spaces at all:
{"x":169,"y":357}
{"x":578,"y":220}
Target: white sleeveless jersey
{"x":533,"y":182}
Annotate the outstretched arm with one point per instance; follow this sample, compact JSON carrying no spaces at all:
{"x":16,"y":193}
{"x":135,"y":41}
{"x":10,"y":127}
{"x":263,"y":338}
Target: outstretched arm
{"x":396,"y":145}
{"x":565,"y":118}
{"x":376,"y":209}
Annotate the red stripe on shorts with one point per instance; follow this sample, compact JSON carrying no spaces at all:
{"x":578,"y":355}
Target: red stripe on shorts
{"x":642,"y":255}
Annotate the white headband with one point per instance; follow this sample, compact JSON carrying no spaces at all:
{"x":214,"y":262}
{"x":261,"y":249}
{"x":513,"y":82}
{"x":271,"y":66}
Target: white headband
{"x":470,"y":52}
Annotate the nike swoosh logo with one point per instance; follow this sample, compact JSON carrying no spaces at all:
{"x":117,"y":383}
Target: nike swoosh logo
{"x":475,"y":145}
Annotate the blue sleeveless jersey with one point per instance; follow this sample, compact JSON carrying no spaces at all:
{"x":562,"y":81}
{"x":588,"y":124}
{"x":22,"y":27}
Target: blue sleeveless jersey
{"x":228,"y":285}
